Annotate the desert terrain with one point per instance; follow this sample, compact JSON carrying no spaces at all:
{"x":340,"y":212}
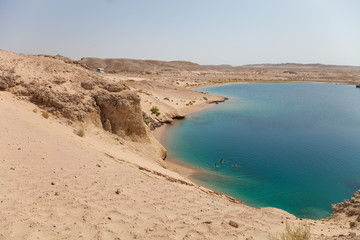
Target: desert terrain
{"x":79,"y":159}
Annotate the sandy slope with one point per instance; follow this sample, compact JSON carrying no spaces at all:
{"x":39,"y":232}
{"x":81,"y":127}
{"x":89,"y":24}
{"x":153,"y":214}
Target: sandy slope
{"x":57,"y":185}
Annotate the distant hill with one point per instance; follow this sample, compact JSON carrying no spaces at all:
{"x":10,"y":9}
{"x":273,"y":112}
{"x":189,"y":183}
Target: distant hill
{"x":294,"y":65}
{"x":115,"y":65}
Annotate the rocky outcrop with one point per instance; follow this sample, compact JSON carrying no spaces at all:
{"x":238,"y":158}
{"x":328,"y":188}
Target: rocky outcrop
{"x":117,"y":112}
{"x":64,"y":88}
{"x":218,"y":101}
{"x":121,"y":114}
{"x":152,"y":124}
{"x":349,"y":209}
{"x":115,"y":87}
{"x":7,"y":79}
{"x":87,"y":85}
{"x":74,"y":106}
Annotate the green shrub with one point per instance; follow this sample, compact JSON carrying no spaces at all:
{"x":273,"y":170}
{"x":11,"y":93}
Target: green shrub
{"x":155,"y":110}
{"x":205,"y":98}
{"x":141,"y":91}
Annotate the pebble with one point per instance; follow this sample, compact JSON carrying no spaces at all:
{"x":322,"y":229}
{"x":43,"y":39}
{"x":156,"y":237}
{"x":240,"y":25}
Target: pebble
{"x":352,"y":224}
{"x":233,"y":224}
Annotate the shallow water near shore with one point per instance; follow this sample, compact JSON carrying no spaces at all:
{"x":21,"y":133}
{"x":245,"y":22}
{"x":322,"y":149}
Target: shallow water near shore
{"x":293,"y":146}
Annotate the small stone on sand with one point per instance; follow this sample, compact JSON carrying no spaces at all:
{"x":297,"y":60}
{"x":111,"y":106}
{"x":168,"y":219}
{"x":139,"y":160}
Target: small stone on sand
{"x":233,"y":224}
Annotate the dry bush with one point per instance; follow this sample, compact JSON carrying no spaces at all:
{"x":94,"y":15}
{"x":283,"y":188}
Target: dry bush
{"x":45,"y":115}
{"x":80,"y":132}
{"x":301,"y":232}
{"x":35,"y":110}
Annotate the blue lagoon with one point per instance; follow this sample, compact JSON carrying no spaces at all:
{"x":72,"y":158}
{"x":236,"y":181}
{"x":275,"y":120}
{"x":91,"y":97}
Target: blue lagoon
{"x":293,"y":146}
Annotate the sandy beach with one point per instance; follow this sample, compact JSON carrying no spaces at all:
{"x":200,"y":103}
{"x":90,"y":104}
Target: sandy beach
{"x":111,"y":182}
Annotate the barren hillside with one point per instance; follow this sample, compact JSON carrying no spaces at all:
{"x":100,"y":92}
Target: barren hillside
{"x":79,"y":160}
{"x":138,"y":66}
{"x":197,"y":74}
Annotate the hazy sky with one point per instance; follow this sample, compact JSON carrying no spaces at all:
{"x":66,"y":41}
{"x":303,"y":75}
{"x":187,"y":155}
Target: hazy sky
{"x":204,"y":31}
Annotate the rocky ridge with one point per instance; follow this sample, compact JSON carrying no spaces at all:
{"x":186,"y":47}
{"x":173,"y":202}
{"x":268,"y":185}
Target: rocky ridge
{"x":348,"y":209}
{"x":195,"y":74}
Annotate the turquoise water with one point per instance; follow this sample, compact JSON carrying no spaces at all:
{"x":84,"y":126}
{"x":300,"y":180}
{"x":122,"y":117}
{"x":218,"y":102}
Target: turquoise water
{"x":295,"y":145}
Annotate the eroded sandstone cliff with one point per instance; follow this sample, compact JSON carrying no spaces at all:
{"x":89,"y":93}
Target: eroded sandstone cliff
{"x":66,"y":89}
{"x":121,"y":114}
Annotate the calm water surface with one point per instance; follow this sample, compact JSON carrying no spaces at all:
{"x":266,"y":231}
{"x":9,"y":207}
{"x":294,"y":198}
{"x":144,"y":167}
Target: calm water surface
{"x":294,"y":146}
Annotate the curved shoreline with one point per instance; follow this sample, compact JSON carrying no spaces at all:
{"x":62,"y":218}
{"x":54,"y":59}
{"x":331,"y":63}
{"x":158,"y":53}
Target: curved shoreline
{"x":160,"y":134}
{"x":186,"y":170}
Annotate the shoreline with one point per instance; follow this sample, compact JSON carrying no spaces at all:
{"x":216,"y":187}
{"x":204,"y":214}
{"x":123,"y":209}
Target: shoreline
{"x":188,"y":171}
{"x":172,"y":164}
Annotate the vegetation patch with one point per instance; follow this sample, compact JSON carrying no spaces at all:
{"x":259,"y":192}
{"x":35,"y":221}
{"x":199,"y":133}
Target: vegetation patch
{"x":141,"y":91}
{"x":301,"y":232}
{"x":155,"y":110}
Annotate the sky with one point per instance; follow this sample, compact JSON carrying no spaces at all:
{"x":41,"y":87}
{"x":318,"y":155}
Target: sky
{"x":208,"y":32}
